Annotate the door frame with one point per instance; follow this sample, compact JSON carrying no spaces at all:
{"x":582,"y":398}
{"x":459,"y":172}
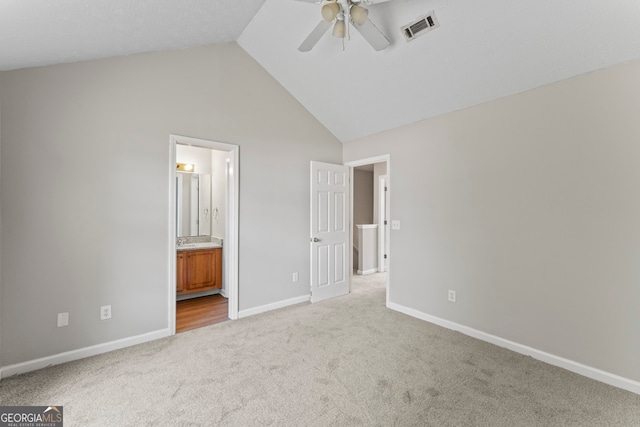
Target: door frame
{"x":385,"y":158}
{"x":382,"y":227}
{"x":230,"y":241}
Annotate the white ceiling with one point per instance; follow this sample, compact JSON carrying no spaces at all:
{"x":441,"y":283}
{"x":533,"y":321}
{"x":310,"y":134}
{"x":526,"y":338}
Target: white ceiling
{"x":43,"y":32}
{"x":482,"y":50}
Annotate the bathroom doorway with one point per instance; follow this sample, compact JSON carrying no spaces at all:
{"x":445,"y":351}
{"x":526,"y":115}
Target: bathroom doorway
{"x":203,"y":286}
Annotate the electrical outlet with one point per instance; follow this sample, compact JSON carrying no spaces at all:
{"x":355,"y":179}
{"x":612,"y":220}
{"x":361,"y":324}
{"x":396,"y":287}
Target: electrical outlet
{"x":452,"y":296}
{"x":295,"y":276}
{"x":63,"y":319}
{"x":105,"y":312}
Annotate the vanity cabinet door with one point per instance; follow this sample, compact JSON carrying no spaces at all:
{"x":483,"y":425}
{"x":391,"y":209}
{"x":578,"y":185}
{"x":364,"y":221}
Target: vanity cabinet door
{"x":200,"y":270}
{"x":180,"y":273}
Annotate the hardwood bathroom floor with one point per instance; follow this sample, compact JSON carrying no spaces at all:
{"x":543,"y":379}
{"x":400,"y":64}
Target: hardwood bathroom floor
{"x":203,"y":311}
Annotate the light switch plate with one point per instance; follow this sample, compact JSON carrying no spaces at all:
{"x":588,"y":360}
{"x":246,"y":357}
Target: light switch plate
{"x":395,"y":225}
{"x":63,"y":319}
{"x":105,"y":312}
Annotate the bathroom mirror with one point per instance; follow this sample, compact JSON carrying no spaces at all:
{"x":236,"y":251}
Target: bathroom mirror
{"x":193,"y":204}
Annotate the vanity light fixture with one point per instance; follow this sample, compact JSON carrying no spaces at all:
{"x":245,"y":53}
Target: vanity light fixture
{"x":185,"y":167}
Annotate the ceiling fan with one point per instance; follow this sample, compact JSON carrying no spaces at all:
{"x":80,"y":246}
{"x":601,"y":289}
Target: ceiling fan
{"x":341,"y":13}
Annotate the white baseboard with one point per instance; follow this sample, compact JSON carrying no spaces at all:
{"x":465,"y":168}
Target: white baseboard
{"x":68,"y":356}
{"x":273,"y":306}
{"x":370,"y":271}
{"x":570,"y":365}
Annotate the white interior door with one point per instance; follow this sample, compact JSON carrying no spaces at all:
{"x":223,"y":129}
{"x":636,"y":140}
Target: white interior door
{"x":329,"y":231}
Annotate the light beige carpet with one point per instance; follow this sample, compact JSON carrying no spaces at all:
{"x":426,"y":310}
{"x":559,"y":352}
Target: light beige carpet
{"x":344,"y":362}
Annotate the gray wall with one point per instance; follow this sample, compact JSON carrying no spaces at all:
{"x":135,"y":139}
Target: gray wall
{"x":85,"y":195}
{"x":362,"y":197}
{"x":528,"y":207}
{"x":362,"y":207}
{"x":0,"y":218}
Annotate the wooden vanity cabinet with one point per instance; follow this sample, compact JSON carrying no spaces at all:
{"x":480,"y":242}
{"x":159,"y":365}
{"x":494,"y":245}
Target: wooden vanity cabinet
{"x":198,"y":270}
{"x":181,"y":273}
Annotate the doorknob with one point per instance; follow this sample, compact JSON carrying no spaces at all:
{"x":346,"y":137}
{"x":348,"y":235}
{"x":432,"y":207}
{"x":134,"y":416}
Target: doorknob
{"x":315,"y":240}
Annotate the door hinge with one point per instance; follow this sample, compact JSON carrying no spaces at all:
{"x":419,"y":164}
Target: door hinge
{"x":385,"y":222}
{"x":385,"y":256}
{"x":385,"y":188}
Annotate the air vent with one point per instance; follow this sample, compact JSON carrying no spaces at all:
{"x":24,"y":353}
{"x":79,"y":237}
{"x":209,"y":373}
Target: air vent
{"x":420,"y":26}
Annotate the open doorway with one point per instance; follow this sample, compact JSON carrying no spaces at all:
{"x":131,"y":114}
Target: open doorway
{"x":370,"y":209}
{"x":203,"y":287}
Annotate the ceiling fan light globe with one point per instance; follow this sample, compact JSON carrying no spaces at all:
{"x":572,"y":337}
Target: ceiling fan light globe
{"x":339,"y":29}
{"x":359,"y":14}
{"x":330,"y":11}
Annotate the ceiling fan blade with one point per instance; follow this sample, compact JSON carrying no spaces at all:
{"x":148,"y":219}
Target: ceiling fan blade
{"x":372,"y":35}
{"x":364,"y":2}
{"x":315,"y":36}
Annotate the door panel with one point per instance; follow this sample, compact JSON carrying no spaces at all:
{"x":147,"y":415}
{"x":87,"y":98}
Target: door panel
{"x":329,"y":230}
{"x":323,"y":265}
{"x":323,"y":212}
{"x":340,"y":220}
{"x":340,"y":259}
{"x":200,"y":266}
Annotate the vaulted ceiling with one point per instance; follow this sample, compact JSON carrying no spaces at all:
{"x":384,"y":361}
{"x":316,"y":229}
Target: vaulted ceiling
{"x":481,"y":51}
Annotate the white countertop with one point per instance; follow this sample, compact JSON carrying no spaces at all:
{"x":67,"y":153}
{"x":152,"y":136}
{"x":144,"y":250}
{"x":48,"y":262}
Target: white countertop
{"x":194,"y":246}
